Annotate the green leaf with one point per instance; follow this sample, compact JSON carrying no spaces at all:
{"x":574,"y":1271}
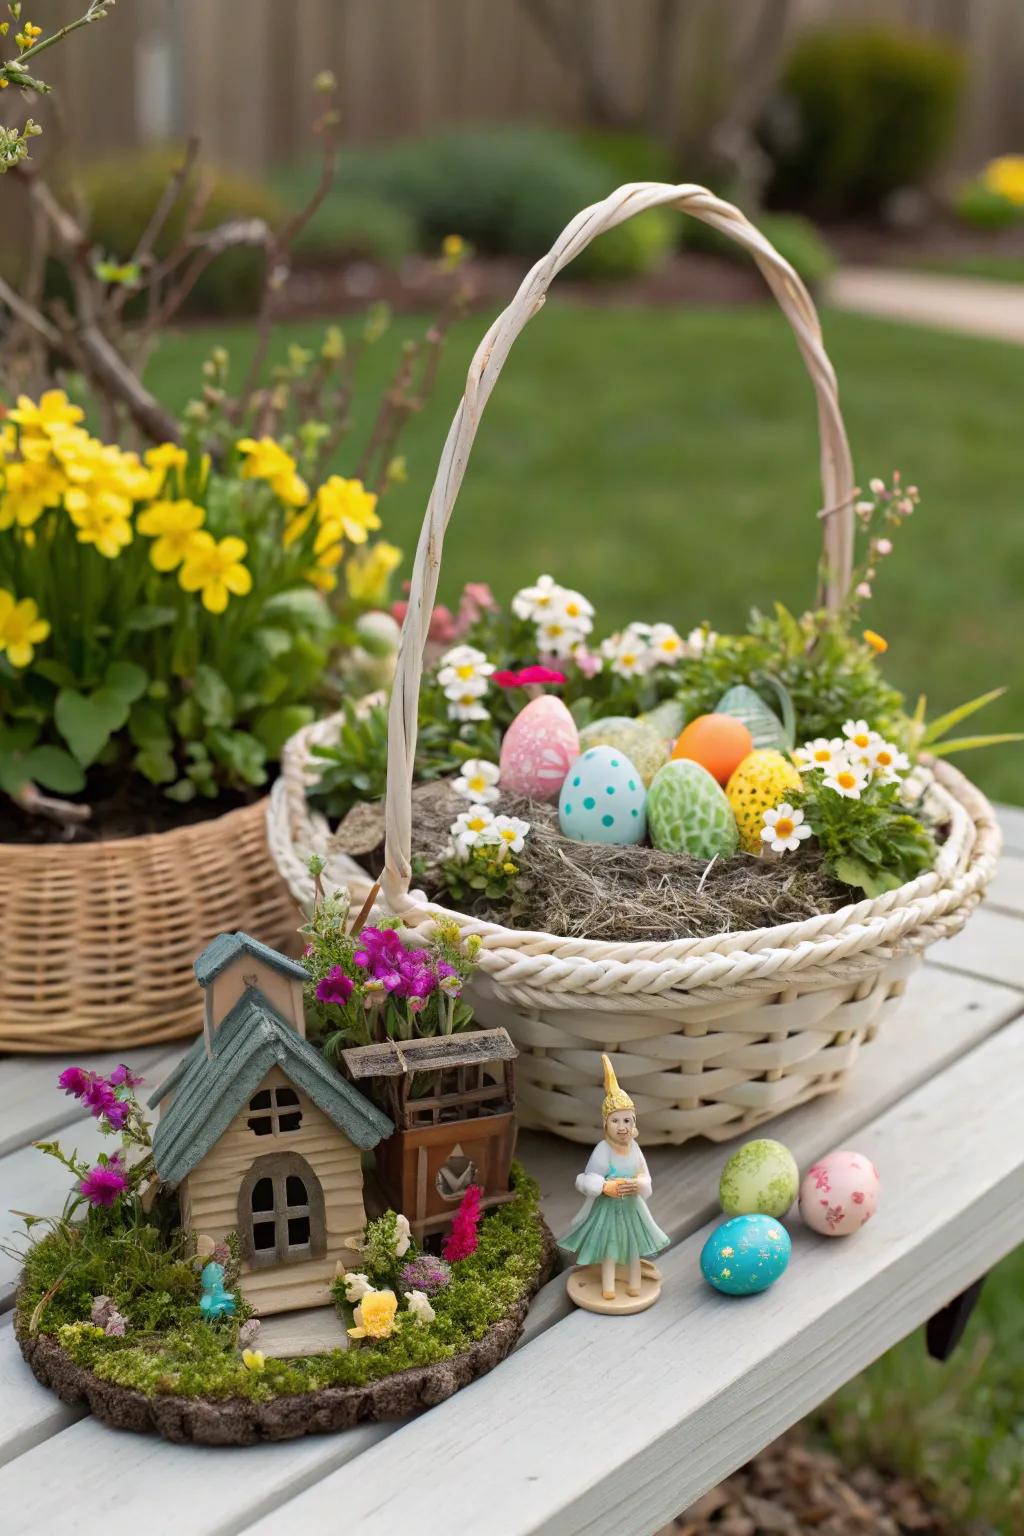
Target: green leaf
{"x":127,"y":680}
{"x":18,"y":738}
{"x":54,"y":769}
{"x":972,"y":743}
{"x":275,"y":726}
{"x":302,"y":607}
{"x":943,"y":723}
{"x":156,"y":764}
{"x":241,"y":753}
{"x":55,"y":672}
{"x":182,"y":791}
{"x":213,"y":696}
{"x":152,"y":616}
{"x":12,"y":773}
{"x":84,"y":724}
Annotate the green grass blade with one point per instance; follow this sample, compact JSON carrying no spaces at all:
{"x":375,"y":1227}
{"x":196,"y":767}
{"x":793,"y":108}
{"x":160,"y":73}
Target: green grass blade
{"x":944,"y":723}
{"x":971,"y":743}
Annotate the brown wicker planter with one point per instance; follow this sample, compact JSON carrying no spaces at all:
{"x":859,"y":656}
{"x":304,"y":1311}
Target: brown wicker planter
{"x":99,"y":938}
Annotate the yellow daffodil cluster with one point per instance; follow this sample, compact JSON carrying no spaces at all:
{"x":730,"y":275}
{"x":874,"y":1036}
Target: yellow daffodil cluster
{"x":21,"y":628}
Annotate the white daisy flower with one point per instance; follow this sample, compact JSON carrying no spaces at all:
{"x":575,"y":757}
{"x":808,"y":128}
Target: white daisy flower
{"x":469,"y":827}
{"x":356,"y":1287}
{"x":464,"y":665}
{"x":467,"y":707}
{"x":403,"y":1236}
{"x":784,"y":829}
{"x":510,"y":831}
{"x":556,"y":637}
{"x":573,"y":609}
{"x":887,"y":762}
{"x":418,"y":1303}
{"x":859,"y":736}
{"x":847,"y":779}
{"x":665,"y":645}
{"x":820,"y":753}
{"x":478,"y":781}
{"x":627,"y":654}
{"x":536,"y":601}
{"x":474,"y":687}
{"x":700,"y":640}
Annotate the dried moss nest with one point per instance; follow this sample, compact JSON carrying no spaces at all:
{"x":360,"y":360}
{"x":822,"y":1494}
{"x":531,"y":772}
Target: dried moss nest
{"x":599,"y":891}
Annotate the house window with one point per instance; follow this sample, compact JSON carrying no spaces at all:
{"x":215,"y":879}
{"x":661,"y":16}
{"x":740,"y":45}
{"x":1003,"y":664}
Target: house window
{"x":281,"y":1211}
{"x":274,"y":1111}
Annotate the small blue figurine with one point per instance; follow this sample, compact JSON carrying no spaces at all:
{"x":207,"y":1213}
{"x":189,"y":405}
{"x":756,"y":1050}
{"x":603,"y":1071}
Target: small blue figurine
{"x":215,"y":1301}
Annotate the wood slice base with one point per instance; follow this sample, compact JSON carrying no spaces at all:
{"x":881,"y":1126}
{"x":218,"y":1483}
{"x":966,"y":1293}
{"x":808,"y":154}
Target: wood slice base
{"x":584,"y":1288}
{"x":237,"y":1421}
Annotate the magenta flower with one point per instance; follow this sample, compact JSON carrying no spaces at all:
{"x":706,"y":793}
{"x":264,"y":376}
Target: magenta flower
{"x":74,"y":1081}
{"x":122,"y":1077}
{"x":103,"y":1184}
{"x":526,"y":676}
{"x":335,"y":987}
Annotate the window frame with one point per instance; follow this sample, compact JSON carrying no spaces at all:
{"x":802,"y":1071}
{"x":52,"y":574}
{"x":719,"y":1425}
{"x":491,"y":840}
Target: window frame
{"x":279,"y":1167}
{"x":273,"y":1112}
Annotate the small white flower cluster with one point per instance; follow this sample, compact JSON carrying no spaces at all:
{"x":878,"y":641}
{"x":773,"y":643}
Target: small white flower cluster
{"x":479,"y":826}
{"x":464,"y":675}
{"x":418,"y":1303}
{"x":642,"y":647}
{"x":784,"y":829}
{"x":849,"y":762}
{"x":478,"y":781}
{"x":563,"y":618}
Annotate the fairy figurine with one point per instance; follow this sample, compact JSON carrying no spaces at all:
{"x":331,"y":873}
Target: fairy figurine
{"x":614,"y":1227}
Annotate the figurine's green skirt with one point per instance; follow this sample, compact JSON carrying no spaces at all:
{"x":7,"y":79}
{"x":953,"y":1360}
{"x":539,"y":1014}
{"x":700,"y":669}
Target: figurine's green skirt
{"x":615,"y":1229}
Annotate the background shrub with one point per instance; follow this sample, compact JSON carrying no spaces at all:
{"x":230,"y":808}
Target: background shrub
{"x":795,"y":238}
{"x":979,"y":206}
{"x":860,"y":114}
{"x":348,"y":226}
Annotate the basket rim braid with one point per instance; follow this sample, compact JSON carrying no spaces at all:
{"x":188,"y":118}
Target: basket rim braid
{"x":714,"y":1034}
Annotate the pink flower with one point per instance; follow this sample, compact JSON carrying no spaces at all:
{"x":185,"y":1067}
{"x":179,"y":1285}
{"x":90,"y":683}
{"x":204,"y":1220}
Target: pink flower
{"x":115,"y":1326}
{"x":74,"y":1081}
{"x":476,"y":600}
{"x":442,"y":629}
{"x":122,"y":1076}
{"x":526,"y":676}
{"x":863,"y":589}
{"x":104,"y":1183}
{"x":462,"y":1240}
{"x":588,"y":662}
{"x":883,"y":546}
{"x":335,"y":987}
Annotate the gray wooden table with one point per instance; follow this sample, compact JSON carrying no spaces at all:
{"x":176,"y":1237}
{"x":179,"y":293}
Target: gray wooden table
{"x":594,"y":1424}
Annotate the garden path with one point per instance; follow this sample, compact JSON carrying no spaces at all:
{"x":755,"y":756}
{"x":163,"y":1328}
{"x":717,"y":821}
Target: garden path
{"x":973,"y":305}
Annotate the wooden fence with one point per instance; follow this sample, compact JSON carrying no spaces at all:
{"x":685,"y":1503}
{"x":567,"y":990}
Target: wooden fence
{"x":238,"y":71}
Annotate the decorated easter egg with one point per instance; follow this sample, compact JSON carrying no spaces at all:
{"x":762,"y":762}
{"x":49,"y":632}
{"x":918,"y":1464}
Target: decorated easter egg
{"x":840,"y":1193}
{"x":602,"y":799}
{"x":667,"y":719}
{"x":642,"y":744}
{"x":538,"y":748}
{"x":760,"y":1176}
{"x":687,"y":812}
{"x":762,"y":722}
{"x":745,"y":1255}
{"x":718,"y":742}
{"x":762,"y":781}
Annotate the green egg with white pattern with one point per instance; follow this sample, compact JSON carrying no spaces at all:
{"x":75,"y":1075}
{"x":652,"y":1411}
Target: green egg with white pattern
{"x":688,"y":812}
{"x":760,"y":1177}
{"x":642,"y":744}
{"x":602,"y":799}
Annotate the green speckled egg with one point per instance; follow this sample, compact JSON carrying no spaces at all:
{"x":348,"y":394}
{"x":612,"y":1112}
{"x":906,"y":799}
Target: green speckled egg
{"x":761,"y":1176}
{"x":642,"y":744}
{"x":687,"y":812}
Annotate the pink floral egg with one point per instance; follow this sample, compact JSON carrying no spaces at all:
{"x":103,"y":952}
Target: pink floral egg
{"x":538,"y":748}
{"x":839,"y":1194}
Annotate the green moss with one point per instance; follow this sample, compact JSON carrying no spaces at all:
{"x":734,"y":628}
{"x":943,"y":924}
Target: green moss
{"x":170,"y":1348}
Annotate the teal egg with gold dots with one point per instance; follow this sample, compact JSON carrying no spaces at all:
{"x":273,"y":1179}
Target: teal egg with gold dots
{"x":603,"y":799}
{"x":745,"y":1255}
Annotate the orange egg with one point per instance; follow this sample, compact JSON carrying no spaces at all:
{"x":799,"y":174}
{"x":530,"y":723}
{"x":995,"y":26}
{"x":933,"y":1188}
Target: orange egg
{"x":718,"y":742}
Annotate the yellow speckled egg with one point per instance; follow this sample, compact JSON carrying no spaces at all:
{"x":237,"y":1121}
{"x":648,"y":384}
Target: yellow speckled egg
{"x":763,"y":779}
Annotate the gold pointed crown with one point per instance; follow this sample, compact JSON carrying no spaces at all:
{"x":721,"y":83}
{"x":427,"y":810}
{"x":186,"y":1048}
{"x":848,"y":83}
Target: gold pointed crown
{"x":614,"y":1096}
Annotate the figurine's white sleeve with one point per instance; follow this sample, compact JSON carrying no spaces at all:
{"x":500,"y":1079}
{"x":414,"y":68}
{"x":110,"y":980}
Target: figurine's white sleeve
{"x":591,"y":1181}
{"x":643,"y":1178}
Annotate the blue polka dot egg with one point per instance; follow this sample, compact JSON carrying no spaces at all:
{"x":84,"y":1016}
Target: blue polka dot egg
{"x":602,"y":799}
{"x":745,"y":1255}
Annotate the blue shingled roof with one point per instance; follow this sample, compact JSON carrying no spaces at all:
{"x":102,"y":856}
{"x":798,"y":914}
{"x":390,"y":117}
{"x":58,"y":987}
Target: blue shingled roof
{"x":227,"y":946}
{"x":210,"y":1091}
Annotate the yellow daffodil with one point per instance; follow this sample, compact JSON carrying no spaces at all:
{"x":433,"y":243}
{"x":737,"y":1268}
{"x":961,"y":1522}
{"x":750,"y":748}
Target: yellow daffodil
{"x":173,"y":524}
{"x":876,"y":641}
{"x":213,"y":567}
{"x":348,"y":505}
{"x":367,"y":574}
{"x":54,"y":410}
{"x":166,"y":456}
{"x":29,"y":488}
{"x":1005,"y":176}
{"x":21,"y":629}
{"x":102,"y":519}
{"x":375,"y":1316}
{"x":267,"y":460}
{"x":296,"y":527}
{"x":254,"y":1359}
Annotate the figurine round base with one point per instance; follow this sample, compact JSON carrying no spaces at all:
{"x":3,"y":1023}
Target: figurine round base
{"x":584,"y":1288}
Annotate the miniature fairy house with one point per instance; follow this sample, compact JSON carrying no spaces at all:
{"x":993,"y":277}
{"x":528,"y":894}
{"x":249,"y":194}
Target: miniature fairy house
{"x":452,"y":1098}
{"x":260,"y":1135}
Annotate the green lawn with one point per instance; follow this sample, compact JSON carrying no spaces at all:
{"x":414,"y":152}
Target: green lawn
{"x":994,"y":267}
{"x":664,"y":461}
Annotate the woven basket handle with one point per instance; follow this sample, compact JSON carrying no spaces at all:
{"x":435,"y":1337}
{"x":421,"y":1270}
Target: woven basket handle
{"x":836,"y":467}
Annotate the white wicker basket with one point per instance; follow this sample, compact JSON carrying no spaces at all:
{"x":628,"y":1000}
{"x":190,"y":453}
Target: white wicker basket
{"x":711,"y":1035}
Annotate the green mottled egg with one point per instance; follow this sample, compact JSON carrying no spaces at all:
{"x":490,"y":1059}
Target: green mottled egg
{"x":688,"y":812}
{"x":642,"y":744}
{"x":762,"y":1176}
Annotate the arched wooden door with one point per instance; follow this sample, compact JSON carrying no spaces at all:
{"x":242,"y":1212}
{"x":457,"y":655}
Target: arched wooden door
{"x":281,"y":1211}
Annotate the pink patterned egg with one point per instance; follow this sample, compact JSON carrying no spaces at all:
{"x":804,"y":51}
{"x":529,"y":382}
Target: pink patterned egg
{"x":538,"y":748}
{"x":839,"y":1194}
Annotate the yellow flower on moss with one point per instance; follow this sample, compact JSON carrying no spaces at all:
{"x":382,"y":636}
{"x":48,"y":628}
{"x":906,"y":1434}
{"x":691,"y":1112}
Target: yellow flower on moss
{"x":375,"y":1316}
{"x":21,"y":628}
{"x":368,"y":573}
{"x":214,"y":568}
{"x":254,"y":1359}
{"x":264,"y":459}
{"x":54,"y":410}
{"x":1005,"y":177}
{"x":349,"y":506}
{"x":173,"y":524}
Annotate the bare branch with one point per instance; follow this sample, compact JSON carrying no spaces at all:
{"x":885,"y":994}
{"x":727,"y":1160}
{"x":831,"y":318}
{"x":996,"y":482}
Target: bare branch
{"x":161,"y":213}
{"x":30,"y":798}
